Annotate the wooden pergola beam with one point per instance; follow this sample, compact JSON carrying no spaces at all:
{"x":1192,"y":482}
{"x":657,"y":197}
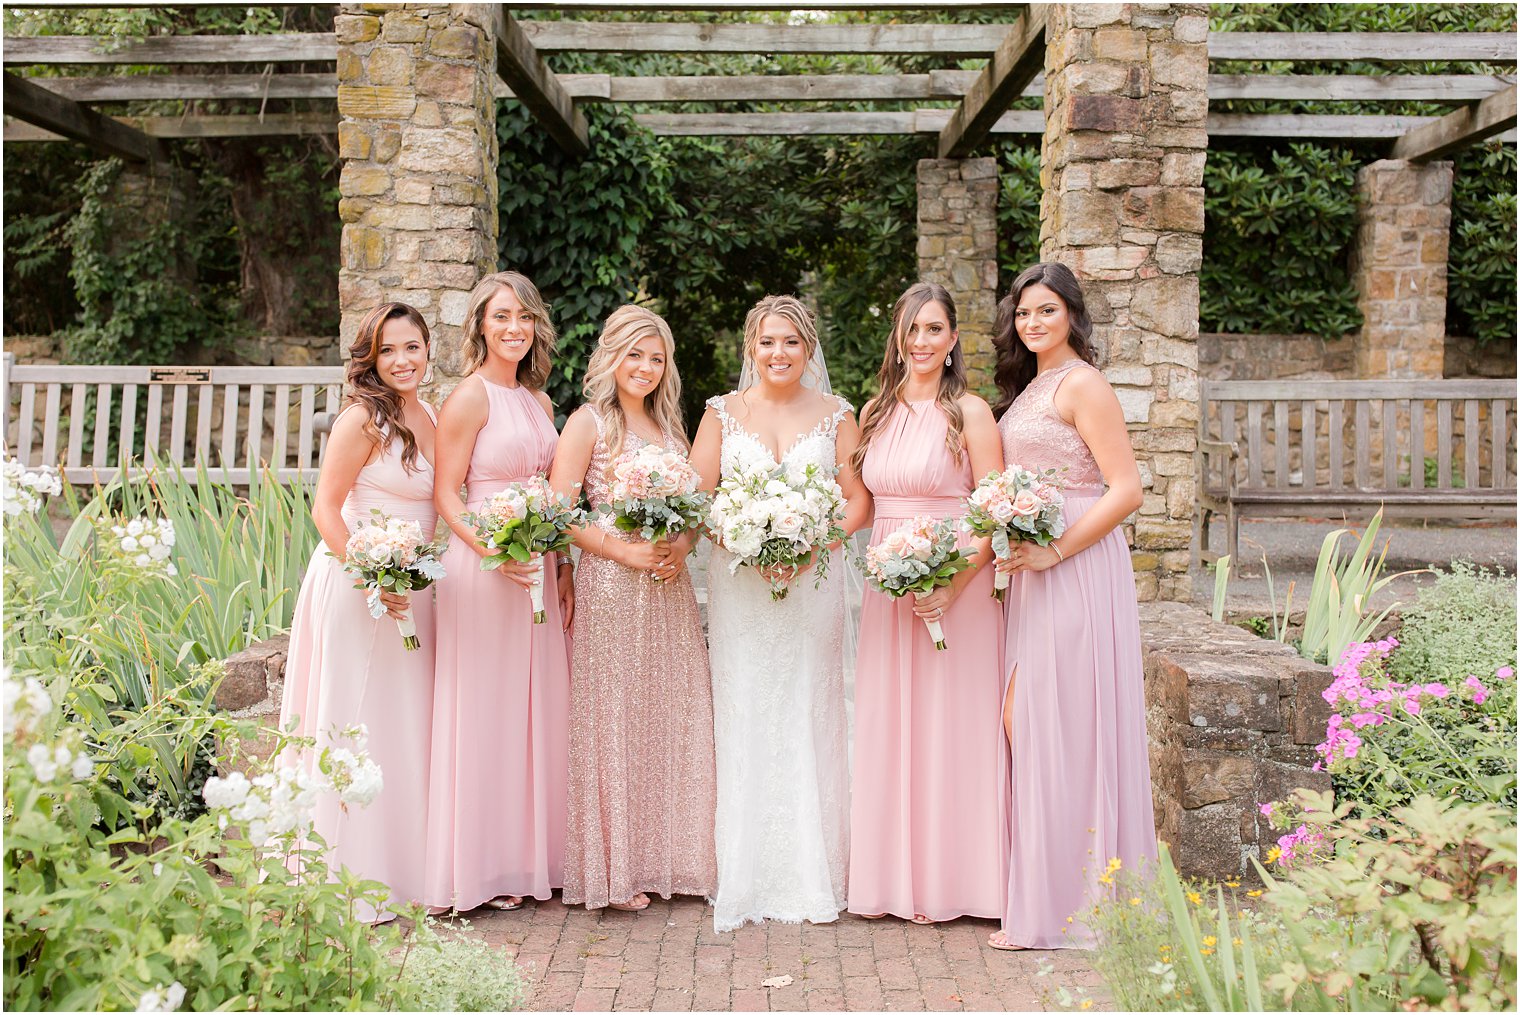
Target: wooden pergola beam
{"x":673,"y":37}
{"x":200,"y":125}
{"x":523,"y":69}
{"x":66,"y":118}
{"x":921,"y":121}
{"x":171,"y":49}
{"x":1459,"y":128}
{"x":937,"y":84}
{"x":1019,"y":57}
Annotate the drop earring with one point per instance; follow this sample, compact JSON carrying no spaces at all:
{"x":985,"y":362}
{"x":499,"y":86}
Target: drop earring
{"x":427,"y":375}
{"x":899,"y":359}
{"x":950,"y":358}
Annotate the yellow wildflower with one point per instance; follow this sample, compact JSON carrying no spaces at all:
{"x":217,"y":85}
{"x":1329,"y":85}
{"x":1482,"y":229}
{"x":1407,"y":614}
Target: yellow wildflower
{"x":1194,"y":898}
{"x":1273,"y":854}
{"x":1135,"y":901}
{"x":1086,"y":1003}
{"x":1235,"y":941}
{"x":1206,"y":951}
{"x":1210,"y":941}
{"x":1164,"y":948}
{"x":1232,"y":884}
{"x":1255,"y":893}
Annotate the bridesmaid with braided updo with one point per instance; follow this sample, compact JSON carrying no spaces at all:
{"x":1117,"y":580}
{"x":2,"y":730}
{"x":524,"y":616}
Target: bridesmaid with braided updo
{"x":642,"y":779}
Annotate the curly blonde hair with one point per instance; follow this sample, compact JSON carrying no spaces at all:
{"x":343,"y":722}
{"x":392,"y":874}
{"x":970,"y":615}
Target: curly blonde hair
{"x":625,"y":328}
{"x":534,"y":370}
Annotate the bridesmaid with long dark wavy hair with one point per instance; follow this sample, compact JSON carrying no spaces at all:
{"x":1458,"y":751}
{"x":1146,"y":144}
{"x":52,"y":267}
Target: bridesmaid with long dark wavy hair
{"x":346,"y":668}
{"x":927,"y":826}
{"x":1074,"y":700}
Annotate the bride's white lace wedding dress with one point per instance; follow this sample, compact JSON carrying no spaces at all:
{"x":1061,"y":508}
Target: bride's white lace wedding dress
{"x":779,"y":711}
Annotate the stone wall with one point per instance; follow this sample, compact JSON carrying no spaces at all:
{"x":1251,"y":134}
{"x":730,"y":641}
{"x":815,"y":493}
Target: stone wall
{"x":1399,"y":267}
{"x":1232,"y":720}
{"x":1126,"y":102}
{"x":418,"y":142}
{"x":957,"y":247}
{"x":1225,"y":357}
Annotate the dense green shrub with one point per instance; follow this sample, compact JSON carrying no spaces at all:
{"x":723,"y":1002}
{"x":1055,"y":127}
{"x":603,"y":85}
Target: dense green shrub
{"x":462,"y":974}
{"x":1463,"y":623}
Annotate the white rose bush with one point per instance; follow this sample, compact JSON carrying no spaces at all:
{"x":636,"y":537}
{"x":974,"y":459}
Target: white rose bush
{"x":391,"y":555}
{"x":1015,"y":505}
{"x":778,"y":521}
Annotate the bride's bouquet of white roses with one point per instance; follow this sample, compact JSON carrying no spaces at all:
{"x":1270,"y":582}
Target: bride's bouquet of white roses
{"x":1015,"y":505}
{"x":390,"y":555}
{"x":777,"y":520}
{"x":526,"y":518}
{"x":918,"y":558}
{"x":654,"y":493}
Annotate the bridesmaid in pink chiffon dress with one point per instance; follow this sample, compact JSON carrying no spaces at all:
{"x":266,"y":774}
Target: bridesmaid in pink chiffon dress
{"x":928,"y":839}
{"x":1075,"y":710}
{"x":346,"y":668}
{"x":496,"y":816}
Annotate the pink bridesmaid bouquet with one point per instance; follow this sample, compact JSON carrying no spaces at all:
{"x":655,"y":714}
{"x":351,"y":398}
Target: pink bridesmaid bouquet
{"x":918,"y":559}
{"x":778,"y":519}
{"x":654,"y":493}
{"x":526,"y":518}
{"x":1015,"y":505}
{"x":389,"y":555}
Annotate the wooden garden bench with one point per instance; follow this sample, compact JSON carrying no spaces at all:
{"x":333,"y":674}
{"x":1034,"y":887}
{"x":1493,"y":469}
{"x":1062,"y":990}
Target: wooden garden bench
{"x":234,"y":420}
{"x":1286,"y":448}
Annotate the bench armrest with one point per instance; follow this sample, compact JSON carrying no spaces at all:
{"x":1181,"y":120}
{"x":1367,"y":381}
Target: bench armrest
{"x":1230,"y":450}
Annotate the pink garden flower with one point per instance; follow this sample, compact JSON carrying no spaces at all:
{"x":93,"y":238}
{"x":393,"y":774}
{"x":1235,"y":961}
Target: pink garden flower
{"x":1480,"y":693}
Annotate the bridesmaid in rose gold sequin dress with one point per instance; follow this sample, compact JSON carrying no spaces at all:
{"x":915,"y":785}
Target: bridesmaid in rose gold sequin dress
{"x":643,"y":784}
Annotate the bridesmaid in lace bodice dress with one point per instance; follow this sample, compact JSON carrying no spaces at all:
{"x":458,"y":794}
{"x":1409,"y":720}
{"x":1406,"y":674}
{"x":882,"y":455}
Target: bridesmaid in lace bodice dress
{"x":496,"y":821}
{"x":642,"y":785}
{"x":346,"y":668}
{"x":1075,"y":705}
{"x":782,"y":831}
{"x":928,"y":838}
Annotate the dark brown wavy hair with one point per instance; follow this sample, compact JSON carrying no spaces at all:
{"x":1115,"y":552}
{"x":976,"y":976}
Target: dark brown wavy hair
{"x":892,"y":378}
{"x":1016,"y":365}
{"x":385,"y":418}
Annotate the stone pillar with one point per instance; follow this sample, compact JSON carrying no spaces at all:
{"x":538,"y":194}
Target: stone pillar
{"x":1126,"y":102}
{"x":1399,"y":265}
{"x":957,"y":247}
{"x":418,"y":188}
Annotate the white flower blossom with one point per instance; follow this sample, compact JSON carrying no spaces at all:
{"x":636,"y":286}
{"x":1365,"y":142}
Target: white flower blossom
{"x":162,"y":998}
{"x":23,"y":489}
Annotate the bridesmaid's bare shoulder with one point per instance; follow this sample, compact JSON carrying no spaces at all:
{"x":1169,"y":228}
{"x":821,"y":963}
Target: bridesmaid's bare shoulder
{"x":974,"y":409}
{"x":467,"y":406}
{"x":542,"y":398}
{"x":580,"y":426}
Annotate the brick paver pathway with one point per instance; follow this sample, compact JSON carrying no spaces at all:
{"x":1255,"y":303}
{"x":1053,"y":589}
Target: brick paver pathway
{"x":668,"y":958}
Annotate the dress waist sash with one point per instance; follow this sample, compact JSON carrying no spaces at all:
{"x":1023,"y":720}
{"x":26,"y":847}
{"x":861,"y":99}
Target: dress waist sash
{"x":910,"y":507}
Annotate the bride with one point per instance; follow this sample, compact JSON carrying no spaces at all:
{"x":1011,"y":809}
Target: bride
{"x":777,"y":667}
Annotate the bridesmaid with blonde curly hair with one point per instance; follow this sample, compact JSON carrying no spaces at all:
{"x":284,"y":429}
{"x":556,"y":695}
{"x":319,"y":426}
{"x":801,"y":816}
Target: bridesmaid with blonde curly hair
{"x":642,"y":780}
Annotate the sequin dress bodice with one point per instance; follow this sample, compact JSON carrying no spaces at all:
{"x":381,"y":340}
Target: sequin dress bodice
{"x":598,"y":487}
{"x":1036,"y":437}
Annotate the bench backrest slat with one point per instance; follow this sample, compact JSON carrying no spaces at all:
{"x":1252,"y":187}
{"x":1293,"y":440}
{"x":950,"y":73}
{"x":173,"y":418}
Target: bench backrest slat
{"x":86,"y":419}
{"x":1389,"y":430}
{"x":1499,"y":418}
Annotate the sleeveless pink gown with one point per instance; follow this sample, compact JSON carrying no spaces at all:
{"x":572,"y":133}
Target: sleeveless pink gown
{"x":496,"y":816}
{"x":928,"y":824}
{"x":347,"y":668}
{"x":643,"y":779}
{"x":1081,"y":769}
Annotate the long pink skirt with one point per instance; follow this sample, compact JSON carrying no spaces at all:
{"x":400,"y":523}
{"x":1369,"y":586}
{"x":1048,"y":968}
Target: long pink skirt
{"x":1081,"y":771}
{"x":346,"y":668}
{"x":496,"y":818}
{"x":928,"y":807}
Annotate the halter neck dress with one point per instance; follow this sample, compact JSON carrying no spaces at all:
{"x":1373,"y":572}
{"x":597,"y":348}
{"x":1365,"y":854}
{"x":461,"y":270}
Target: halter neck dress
{"x":1081,"y":791}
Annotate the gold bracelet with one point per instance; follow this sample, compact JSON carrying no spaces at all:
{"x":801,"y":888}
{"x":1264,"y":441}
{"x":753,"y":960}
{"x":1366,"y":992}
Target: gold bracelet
{"x":601,"y":549}
{"x":1057,"y":547}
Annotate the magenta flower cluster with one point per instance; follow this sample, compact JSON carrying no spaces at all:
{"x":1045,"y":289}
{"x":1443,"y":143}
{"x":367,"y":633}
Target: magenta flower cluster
{"x":1362,"y":697}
